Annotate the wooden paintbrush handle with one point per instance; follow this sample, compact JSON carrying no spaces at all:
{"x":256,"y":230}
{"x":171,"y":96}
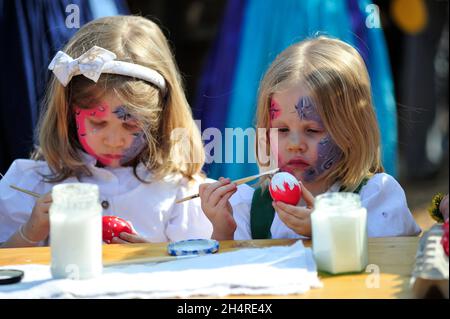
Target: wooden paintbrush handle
{"x":237,"y":182}
{"x":25,"y":191}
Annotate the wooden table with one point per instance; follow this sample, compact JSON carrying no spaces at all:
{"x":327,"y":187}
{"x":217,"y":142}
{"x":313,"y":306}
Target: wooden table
{"x":393,"y":257}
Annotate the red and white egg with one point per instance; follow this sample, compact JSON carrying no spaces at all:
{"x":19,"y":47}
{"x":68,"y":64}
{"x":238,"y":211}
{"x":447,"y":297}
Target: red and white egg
{"x":113,"y":226}
{"x":284,"y":187}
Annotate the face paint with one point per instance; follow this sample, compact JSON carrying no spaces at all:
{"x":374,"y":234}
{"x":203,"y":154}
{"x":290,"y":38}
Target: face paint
{"x":139,"y":140}
{"x":98,"y":112}
{"x":122,"y":114}
{"x":328,"y":153}
{"x":95,"y":146}
{"x":306,"y":110}
{"x":136,"y":147}
{"x":274,"y":110}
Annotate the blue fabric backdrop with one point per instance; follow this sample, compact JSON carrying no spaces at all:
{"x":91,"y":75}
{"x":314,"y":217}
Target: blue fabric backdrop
{"x":268,"y":27}
{"x":31,"y":31}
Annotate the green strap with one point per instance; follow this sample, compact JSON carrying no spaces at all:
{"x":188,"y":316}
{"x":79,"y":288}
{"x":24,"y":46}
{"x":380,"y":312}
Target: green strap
{"x":262,"y":211}
{"x":261,"y":214}
{"x":360,"y":186}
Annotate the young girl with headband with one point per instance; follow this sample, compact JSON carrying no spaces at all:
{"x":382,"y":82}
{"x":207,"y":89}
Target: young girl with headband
{"x":111,"y":111}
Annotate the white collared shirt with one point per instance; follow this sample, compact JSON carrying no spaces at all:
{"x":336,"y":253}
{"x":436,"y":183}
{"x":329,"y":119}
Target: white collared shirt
{"x":388,"y":214}
{"x":151,"y":208}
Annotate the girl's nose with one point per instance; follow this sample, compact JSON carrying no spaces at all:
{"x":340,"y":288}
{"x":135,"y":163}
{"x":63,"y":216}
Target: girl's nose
{"x":114,"y":139}
{"x":296,"y":143}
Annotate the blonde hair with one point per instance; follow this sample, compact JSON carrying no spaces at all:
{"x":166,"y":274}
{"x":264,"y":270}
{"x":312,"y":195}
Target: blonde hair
{"x":338,"y":82}
{"x":137,"y":40}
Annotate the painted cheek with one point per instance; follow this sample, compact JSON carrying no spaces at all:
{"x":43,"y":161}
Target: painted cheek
{"x":138,"y":142}
{"x":81,"y":116}
{"x":328,"y":153}
{"x":137,"y":145}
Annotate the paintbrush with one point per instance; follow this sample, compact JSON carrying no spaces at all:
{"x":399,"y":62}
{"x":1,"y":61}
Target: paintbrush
{"x":237,"y":182}
{"x":23,"y":190}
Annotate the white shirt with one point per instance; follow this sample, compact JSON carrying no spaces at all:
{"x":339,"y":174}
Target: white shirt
{"x":388,"y":214}
{"x":151,"y":208}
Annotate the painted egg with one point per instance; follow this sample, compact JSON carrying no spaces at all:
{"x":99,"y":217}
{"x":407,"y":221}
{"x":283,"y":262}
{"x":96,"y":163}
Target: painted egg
{"x":284,"y":187}
{"x":113,"y":226}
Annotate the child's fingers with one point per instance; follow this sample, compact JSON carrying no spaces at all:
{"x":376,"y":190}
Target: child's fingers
{"x":131,"y":238}
{"x":307,"y":196}
{"x":132,"y":227}
{"x":117,"y":240}
{"x":223,"y":201}
{"x":212,"y":187}
{"x":298,"y":212}
{"x":45,"y":208}
{"x":290,"y":221}
{"x":46,"y":198}
{"x":300,"y":226}
{"x":220,"y":192}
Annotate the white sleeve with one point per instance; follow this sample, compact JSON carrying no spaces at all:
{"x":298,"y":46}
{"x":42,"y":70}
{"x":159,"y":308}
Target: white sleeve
{"x":15,"y":206}
{"x":241,"y":202}
{"x":388,"y":214}
{"x":187,"y":220}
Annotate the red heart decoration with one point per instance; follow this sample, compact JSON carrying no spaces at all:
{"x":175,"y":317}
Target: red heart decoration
{"x":284,"y":187}
{"x":113,"y":226}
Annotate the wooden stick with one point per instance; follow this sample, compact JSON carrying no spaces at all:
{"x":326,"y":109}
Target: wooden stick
{"x":237,"y":182}
{"x":146,"y":260}
{"x":25,"y":191}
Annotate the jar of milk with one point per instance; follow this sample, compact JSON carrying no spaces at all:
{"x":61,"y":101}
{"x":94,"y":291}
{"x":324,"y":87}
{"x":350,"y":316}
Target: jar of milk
{"x":76,"y":231}
{"x":339,"y":233}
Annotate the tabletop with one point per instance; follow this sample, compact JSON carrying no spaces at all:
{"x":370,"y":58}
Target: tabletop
{"x":391,"y":261}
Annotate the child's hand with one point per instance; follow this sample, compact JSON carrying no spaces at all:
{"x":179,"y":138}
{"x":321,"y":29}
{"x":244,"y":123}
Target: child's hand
{"x":37,"y":227}
{"x":297,"y":218}
{"x":126,"y":238}
{"x":216,"y":206}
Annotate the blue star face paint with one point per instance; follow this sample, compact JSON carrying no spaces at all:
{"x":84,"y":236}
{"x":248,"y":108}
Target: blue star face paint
{"x":122,"y":114}
{"x":306,"y":110}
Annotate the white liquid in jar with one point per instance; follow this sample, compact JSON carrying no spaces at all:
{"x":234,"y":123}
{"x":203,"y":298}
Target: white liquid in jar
{"x":76,"y":231}
{"x":339,"y":233}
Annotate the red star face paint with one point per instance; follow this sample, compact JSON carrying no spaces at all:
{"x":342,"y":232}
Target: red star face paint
{"x":110,"y":134}
{"x":274,"y":110}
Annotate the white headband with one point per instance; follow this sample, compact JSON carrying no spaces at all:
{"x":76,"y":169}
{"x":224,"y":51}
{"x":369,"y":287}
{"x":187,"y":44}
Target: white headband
{"x":96,"y":61}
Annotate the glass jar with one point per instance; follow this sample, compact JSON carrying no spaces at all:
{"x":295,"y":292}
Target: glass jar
{"x":339,"y":233}
{"x":76,"y":231}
